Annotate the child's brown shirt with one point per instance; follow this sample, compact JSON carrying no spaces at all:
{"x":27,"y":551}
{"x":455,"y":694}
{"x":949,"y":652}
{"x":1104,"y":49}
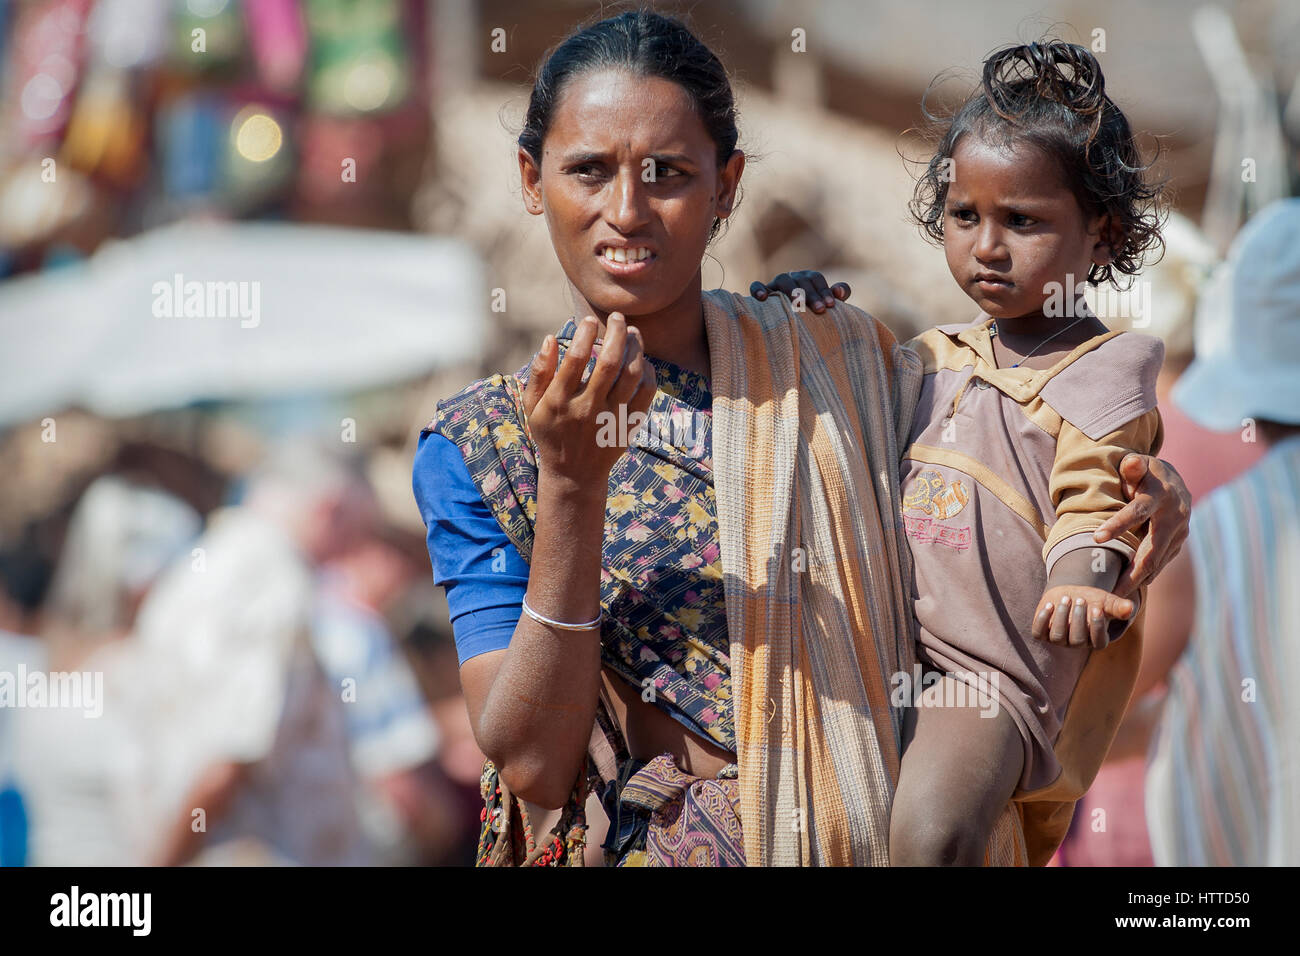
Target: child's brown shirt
{"x":1008,"y":469}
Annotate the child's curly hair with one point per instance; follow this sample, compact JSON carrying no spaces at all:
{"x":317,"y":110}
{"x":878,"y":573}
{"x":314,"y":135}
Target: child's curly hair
{"x":1052,"y":96}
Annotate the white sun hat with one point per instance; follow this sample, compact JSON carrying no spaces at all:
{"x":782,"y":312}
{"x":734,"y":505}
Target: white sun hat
{"x":1247,"y":363}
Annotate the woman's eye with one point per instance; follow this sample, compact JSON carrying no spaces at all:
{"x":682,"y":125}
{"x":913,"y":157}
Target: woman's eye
{"x":586,"y":171}
{"x":664,"y":172}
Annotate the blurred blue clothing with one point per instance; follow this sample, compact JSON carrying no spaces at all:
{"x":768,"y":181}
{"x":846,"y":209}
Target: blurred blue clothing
{"x":13,"y":828}
{"x":484,"y":575}
{"x":389,"y":725}
{"x":15,"y":649}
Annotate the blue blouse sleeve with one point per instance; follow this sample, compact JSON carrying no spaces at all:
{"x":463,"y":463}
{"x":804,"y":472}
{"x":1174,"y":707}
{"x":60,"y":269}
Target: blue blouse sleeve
{"x":483,"y":574}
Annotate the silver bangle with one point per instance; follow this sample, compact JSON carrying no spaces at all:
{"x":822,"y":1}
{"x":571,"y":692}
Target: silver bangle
{"x":560,"y":625}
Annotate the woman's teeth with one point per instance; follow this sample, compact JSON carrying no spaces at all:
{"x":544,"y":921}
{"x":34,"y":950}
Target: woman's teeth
{"x":626,"y":255}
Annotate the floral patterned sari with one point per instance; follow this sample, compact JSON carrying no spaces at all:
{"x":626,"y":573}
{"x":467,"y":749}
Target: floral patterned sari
{"x":665,"y":629}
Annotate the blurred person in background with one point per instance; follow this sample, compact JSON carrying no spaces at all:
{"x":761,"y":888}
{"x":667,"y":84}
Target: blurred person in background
{"x":1223,"y":777}
{"x":408,"y":810}
{"x":1204,"y":457}
{"x":17,"y":649}
{"x":421,"y":618}
{"x":14,"y":649}
{"x":23,"y":579}
{"x":67,"y":759}
{"x":241,"y":749}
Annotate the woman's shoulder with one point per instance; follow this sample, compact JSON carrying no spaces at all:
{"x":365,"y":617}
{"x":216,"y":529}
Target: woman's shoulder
{"x":444,"y":490}
{"x":477,"y":408}
{"x":475,"y":466}
{"x":486,"y":438}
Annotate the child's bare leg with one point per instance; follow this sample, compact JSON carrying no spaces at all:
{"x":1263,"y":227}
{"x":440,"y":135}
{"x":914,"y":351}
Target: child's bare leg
{"x":959,"y":770}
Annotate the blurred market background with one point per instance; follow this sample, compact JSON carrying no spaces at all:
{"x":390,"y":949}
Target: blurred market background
{"x":343,"y":173}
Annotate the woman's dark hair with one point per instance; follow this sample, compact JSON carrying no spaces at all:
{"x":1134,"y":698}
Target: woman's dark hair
{"x":643,"y":43}
{"x":1052,"y":96}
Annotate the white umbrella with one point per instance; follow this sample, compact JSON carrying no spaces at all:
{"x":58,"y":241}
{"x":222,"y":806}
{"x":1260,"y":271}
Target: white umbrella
{"x":206,"y":310}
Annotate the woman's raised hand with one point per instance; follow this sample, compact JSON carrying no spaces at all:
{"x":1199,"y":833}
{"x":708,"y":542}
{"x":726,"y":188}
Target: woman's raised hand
{"x":582,"y":428}
{"x":811,"y":286}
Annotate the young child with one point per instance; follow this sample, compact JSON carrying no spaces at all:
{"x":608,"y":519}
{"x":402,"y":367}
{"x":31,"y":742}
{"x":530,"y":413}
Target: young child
{"x":1025,"y":414}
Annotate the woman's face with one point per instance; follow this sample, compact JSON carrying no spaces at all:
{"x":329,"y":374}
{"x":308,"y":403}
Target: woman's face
{"x":630,"y":185}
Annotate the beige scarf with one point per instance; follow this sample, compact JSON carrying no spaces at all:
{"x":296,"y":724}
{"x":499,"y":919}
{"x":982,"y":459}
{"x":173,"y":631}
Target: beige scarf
{"x":813,"y":410}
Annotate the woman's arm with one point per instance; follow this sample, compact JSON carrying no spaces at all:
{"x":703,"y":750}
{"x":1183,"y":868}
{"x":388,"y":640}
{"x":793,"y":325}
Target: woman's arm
{"x":532,"y":705}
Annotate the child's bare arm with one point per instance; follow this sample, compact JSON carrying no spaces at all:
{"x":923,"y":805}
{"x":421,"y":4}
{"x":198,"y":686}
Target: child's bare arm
{"x":1078,"y":607}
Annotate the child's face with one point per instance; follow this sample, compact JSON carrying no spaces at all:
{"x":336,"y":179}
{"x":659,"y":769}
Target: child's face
{"x":1012,"y":228}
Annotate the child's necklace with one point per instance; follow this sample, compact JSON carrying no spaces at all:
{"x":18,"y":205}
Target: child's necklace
{"x":993,"y":331}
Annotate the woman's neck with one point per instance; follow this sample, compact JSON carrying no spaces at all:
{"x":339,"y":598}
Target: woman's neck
{"x":674,"y":334}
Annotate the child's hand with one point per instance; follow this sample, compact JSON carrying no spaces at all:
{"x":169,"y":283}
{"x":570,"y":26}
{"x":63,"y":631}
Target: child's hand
{"x":1074,"y":615}
{"x":816,"y":295}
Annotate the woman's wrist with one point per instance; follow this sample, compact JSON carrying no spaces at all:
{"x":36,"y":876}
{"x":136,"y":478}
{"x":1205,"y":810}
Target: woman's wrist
{"x":589,"y":624}
{"x":578,"y":490}
{"x":570,"y":531}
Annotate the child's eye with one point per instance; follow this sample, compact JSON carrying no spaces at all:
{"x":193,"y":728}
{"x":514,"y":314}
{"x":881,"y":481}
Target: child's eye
{"x":1020,"y":219}
{"x":962,"y":215}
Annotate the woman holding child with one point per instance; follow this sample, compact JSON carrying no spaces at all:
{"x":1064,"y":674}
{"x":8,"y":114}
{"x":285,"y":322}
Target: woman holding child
{"x":706,"y":631}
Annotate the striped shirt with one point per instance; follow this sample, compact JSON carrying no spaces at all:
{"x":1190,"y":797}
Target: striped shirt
{"x":1223,"y":776}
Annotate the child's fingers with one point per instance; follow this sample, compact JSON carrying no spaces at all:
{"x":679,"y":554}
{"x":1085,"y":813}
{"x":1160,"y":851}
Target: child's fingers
{"x":803,"y":292}
{"x":785,"y":284}
{"x":841,"y":291}
{"x":1102,"y":642}
{"x":1079,"y":623}
{"x":1097,"y":627}
{"x":758,"y":290}
{"x":1060,"y":631}
{"x":819,"y":293}
{"x":1042,"y":621}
